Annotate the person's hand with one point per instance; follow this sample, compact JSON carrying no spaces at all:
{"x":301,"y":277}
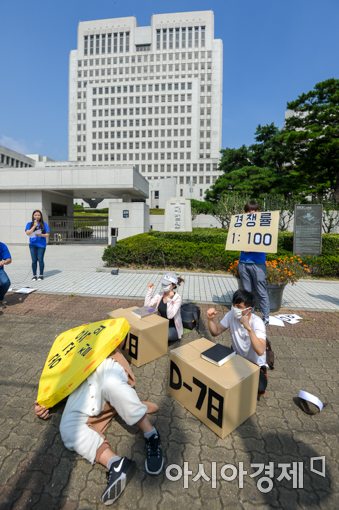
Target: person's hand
{"x":150,"y":285}
{"x":35,"y":224}
{"x":41,"y":411}
{"x":245,"y":321}
{"x":211,"y":314}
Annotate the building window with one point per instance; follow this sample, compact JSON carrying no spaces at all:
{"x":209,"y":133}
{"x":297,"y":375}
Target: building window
{"x":183,"y":37}
{"x":203,"y":36}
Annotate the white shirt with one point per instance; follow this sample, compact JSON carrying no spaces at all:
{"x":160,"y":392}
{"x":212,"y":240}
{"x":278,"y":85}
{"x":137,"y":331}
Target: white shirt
{"x":241,"y":341}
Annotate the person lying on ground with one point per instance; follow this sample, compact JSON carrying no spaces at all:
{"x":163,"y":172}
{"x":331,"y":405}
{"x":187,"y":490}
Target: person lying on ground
{"x":90,"y":409}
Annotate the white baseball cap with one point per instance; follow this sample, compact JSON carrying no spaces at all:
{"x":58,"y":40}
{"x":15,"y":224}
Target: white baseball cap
{"x":169,"y":279}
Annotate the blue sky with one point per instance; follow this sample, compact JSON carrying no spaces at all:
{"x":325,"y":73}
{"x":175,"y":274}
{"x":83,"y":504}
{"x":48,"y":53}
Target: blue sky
{"x":273,"y":51}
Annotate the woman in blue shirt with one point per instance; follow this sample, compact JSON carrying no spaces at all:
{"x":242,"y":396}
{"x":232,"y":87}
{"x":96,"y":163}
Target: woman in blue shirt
{"x":38,"y":232}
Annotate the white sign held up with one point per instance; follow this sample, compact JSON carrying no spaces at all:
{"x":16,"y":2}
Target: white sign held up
{"x":254,"y":231}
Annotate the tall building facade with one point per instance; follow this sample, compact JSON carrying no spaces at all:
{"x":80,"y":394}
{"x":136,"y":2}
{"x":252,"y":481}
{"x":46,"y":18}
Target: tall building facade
{"x":149,"y":96}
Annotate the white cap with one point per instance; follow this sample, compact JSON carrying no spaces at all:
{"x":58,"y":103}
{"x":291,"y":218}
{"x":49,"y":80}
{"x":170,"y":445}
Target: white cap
{"x":169,"y":278}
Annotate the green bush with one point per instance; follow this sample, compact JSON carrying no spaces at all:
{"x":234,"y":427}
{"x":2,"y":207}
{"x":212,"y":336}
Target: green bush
{"x":325,"y":265}
{"x":204,"y":235}
{"x":204,"y":249}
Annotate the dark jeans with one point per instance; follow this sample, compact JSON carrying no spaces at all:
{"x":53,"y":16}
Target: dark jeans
{"x":172,"y":335}
{"x":5,"y":284}
{"x":37,"y":255}
{"x":253,"y":279}
{"x":262,"y":380}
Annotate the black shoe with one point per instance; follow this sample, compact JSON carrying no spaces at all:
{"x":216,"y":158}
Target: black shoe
{"x":34,"y":278}
{"x":118,"y":477}
{"x":154,"y":460}
{"x":40,"y":277}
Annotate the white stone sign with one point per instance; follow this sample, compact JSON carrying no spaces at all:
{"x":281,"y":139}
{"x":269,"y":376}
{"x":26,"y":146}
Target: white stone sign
{"x":178,"y":216}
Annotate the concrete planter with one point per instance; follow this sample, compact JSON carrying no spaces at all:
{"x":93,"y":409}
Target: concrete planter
{"x":275,"y":294}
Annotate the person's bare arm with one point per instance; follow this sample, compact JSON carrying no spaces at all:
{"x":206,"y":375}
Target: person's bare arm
{"x":258,"y":344}
{"x":5,"y":262}
{"x":213,"y":324}
{"x":33,"y":227}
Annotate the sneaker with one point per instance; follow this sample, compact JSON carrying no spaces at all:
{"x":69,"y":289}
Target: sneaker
{"x":266,"y":321}
{"x":118,"y":477}
{"x":154,"y":460}
{"x":34,"y":278}
{"x":40,"y":277}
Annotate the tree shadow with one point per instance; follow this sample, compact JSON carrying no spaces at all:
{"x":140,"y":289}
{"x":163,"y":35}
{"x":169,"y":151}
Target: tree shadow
{"x":324,"y":297}
{"x":42,"y":476}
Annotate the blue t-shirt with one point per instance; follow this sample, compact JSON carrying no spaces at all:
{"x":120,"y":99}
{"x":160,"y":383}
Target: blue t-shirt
{"x":252,"y":257}
{"x":4,"y":254}
{"x":34,"y":240}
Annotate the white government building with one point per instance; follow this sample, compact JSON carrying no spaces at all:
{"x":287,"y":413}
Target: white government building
{"x":145,"y":115}
{"x":150,"y":97}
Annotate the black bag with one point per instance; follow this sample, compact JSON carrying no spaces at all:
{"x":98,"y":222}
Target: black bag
{"x":190,"y":314}
{"x":269,"y":354}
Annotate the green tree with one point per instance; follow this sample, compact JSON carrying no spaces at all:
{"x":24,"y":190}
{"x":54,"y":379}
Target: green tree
{"x":229,"y":204}
{"x":231,"y":160}
{"x":311,"y":137}
{"x":200,"y":207}
{"x":302,"y":158}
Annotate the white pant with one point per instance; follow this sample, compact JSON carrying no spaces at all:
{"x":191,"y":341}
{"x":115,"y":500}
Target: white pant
{"x":107,"y":384}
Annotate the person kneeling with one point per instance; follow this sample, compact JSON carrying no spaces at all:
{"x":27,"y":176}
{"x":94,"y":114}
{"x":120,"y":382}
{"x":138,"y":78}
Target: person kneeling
{"x":247,"y":330}
{"x":88,"y":412}
{"x":168,"y":304}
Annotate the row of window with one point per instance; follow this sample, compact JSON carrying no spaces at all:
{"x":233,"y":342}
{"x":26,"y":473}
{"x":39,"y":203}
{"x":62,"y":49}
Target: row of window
{"x":118,"y":112}
{"x":169,"y":110}
{"x":152,"y":57}
{"x":166,"y":38}
{"x":143,"y":122}
{"x":181,"y":37}
{"x":117,"y":42}
{"x":175,"y":144}
{"x":151,"y":133}
{"x":149,"y":87}
{"x":197,"y":67}
{"x":202,"y":77}
{"x":123,"y":91}
{"x":137,"y":156}
{"x":163,"y":98}
{"x":145,"y":69}
{"x":12,"y":162}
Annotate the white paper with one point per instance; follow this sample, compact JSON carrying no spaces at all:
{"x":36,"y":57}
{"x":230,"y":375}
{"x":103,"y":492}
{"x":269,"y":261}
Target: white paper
{"x":290,"y":318}
{"x":25,"y":290}
{"x":274,"y":321}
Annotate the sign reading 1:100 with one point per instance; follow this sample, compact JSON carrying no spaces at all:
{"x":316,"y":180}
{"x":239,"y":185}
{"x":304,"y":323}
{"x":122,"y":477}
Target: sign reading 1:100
{"x":256,"y":238}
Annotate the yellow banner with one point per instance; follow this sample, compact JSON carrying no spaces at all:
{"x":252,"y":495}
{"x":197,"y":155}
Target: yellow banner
{"x":75,"y":354}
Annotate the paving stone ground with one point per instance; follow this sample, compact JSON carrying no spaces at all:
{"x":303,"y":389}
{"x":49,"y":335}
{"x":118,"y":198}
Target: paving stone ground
{"x":37,"y":472}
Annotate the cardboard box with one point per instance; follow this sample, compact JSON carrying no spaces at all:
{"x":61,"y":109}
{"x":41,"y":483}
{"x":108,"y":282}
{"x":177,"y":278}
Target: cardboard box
{"x":147,"y":339}
{"x":221,"y":397}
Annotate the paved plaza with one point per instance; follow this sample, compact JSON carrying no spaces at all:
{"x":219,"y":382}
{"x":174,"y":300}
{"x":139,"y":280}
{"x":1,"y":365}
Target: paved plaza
{"x":37,"y":472}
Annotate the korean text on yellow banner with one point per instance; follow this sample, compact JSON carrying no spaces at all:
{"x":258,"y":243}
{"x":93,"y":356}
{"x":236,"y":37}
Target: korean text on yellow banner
{"x":75,"y":354}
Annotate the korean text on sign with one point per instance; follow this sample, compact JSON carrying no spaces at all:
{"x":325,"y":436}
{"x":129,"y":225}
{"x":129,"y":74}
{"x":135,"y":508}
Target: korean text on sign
{"x":254,"y":231}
